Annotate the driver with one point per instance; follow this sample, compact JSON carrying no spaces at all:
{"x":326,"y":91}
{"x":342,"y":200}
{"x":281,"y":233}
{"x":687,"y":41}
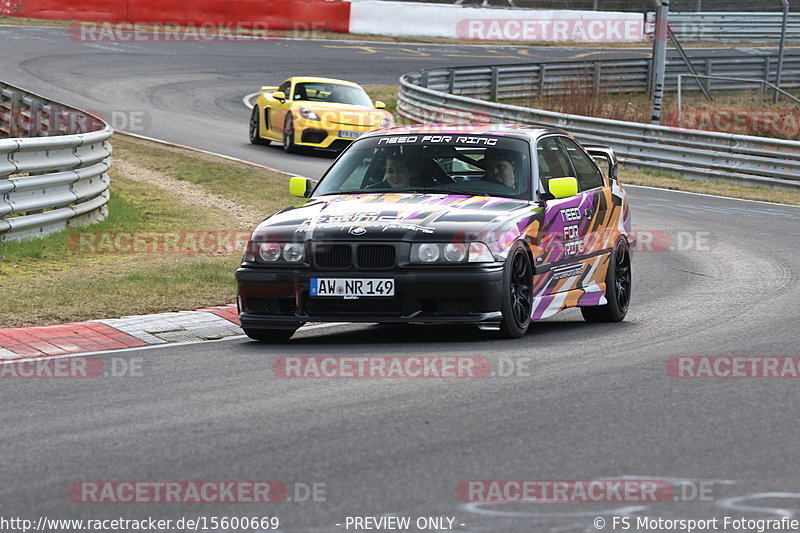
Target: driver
{"x":500,"y":167}
{"x":399,"y":173}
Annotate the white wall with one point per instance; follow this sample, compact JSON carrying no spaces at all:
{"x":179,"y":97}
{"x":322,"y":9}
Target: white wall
{"x":458,"y":22}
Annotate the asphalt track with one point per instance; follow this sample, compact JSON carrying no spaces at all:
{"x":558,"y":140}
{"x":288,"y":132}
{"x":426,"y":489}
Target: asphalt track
{"x":592,"y":401}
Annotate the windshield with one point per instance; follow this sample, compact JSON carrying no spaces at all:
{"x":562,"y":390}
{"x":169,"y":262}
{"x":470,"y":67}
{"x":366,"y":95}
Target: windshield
{"x":333,"y":93}
{"x":475,"y":165}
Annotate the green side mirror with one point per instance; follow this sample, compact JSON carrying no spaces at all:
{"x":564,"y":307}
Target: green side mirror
{"x":562,"y":187}
{"x":278,"y":95}
{"x":379,"y":105}
{"x":300,"y":187}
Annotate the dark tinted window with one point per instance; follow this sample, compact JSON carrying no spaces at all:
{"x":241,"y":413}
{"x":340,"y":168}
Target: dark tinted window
{"x":589,"y":175}
{"x":440,"y":163}
{"x":553,"y":160}
{"x":284,"y":88}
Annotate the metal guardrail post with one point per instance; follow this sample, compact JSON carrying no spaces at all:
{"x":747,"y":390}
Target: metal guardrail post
{"x":493,"y":84}
{"x":782,"y":45}
{"x":35,"y":127}
{"x":659,"y":58}
{"x":596,"y":78}
{"x":15,"y":114}
{"x":542,"y":71}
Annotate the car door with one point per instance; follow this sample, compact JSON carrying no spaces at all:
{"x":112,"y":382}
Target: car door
{"x":565,"y":224}
{"x":598,"y":234}
{"x":278,"y":109}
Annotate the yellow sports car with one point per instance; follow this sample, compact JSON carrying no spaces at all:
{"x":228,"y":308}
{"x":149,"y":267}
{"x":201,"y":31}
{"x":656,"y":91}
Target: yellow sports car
{"x":315,"y":112}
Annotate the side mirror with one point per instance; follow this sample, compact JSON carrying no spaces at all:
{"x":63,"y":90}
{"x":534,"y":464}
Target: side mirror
{"x":278,"y":95}
{"x":300,"y":187}
{"x":562,"y":187}
{"x":379,"y":105}
{"x":606,"y":154}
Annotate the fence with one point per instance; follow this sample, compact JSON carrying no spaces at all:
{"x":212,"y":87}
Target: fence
{"x":732,"y":27}
{"x":53,"y":165}
{"x":427,"y":96}
{"x":506,"y":82}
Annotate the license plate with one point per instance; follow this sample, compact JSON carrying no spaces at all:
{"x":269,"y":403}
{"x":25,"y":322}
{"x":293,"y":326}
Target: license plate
{"x":351,"y":288}
{"x":349,"y":134}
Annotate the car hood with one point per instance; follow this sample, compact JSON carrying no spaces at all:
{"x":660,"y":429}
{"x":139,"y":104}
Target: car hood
{"x":406,"y":216}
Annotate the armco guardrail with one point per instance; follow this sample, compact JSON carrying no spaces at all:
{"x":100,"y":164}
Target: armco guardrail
{"x":690,"y":153}
{"x":731,"y":26}
{"x":53,"y":165}
{"x":622,"y":76}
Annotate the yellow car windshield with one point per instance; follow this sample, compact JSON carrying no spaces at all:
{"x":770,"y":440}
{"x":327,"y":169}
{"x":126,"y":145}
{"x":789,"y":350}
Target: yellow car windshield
{"x":332,"y":93}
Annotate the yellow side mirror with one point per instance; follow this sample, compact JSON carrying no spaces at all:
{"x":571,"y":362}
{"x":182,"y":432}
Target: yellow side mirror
{"x":300,"y":187}
{"x":379,"y":105}
{"x":562,"y":187}
{"x":278,"y":95}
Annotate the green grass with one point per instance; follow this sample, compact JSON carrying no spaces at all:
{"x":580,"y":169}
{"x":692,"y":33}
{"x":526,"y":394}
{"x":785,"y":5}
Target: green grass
{"x":385,"y":93}
{"x":47,"y":281}
{"x":260,"y":189}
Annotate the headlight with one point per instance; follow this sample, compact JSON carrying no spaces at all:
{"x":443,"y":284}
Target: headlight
{"x":308,"y":113}
{"x":454,"y":252}
{"x":427,"y":253}
{"x":293,"y":252}
{"x":269,"y":252}
{"x":386,"y":122}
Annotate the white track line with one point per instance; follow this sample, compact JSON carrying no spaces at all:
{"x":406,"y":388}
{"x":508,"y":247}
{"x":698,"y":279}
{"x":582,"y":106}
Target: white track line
{"x":711,"y":195}
{"x":228,"y":157}
{"x":247,"y":103}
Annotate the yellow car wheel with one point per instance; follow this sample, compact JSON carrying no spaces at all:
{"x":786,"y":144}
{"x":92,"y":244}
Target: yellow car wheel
{"x":255,"y":127}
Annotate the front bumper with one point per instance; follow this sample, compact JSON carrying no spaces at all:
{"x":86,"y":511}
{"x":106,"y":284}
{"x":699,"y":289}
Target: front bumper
{"x":326,"y":135}
{"x":270,"y":298}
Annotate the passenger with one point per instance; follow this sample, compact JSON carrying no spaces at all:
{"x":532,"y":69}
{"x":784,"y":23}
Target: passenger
{"x":500,"y":167}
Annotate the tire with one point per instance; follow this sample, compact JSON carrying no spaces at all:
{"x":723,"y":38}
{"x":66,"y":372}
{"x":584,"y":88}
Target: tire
{"x":255,"y":127}
{"x":618,"y":288}
{"x":288,"y":136}
{"x":517,"y":303}
{"x":269,"y":335}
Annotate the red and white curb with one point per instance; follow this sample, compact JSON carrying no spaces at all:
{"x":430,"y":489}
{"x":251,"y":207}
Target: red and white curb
{"x":210,"y":323}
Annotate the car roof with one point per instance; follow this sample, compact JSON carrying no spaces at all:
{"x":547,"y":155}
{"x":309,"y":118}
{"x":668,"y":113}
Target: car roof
{"x":311,"y":79}
{"x":511,"y":130}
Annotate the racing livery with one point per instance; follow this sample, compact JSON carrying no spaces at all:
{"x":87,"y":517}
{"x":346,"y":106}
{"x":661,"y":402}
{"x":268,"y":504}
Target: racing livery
{"x":322,"y":113}
{"x":492,"y":225}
